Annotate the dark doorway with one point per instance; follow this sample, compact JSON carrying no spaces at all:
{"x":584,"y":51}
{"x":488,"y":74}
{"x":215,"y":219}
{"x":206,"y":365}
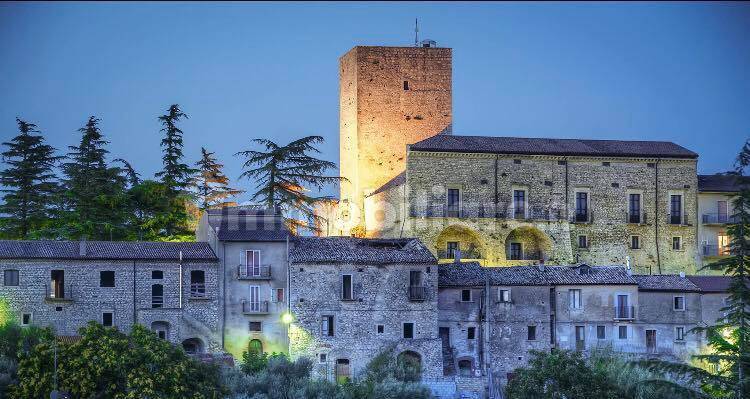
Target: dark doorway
{"x":58,"y":283}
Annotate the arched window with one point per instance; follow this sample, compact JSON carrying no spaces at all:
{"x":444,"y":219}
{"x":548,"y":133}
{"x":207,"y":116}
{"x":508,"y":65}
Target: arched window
{"x":343,"y":371}
{"x":157,"y":296}
{"x":255,"y":346}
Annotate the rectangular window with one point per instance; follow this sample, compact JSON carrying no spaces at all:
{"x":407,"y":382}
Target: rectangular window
{"x":583,"y":242}
{"x":107,"y":319}
{"x":516,"y":251}
{"x":582,"y":207}
{"x":679,"y":303}
{"x":519,"y":204}
{"x":157,"y":274}
{"x":675,"y":209}
{"x":623,"y":310}
{"x":622,"y":332}
{"x":454,"y":202}
{"x":278,"y":295}
{"x":254,"y":298}
{"x":452,"y":248}
{"x":381,"y":329}
{"x":575,"y":299}
{"x":197,"y":284}
{"x":601,"y":332}
{"x":406,"y":85}
{"x":106,"y":278}
{"x":465,"y":295}
{"x":679,"y":333}
{"x":504,"y":296}
{"x":326,"y":326}
{"x":531,"y":333}
{"x":634,"y":208}
{"x":11,"y":278}
{"x":252,"y":263}
{"x":580,"y":338}
{"x":26,"y":319}
{"x":347,"y":291}
{"x":415,"y":278}
{"x":323,"y":358}
{"x":255,"y":326}
{"x":408,"y":330}
{"x":635,"y":242}
{"x":677,"y":243}
{"x":471,"y":333}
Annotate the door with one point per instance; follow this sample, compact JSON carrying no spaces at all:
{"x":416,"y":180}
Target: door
{"x":634,"y":214}
{"x":622,"y":306}
{"x":445,"y":335}
{"x":723,"y":211}
{"x":255,"y":298}
{"x":651,"y":341}
{"x":252,"y":263}
{"x":580,"y":338}
{"x":58,"y":283}
{"x":675,"y":209}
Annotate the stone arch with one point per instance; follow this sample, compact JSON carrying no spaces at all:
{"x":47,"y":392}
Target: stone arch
{"x":193,"y":345}
{"x":465,"y":366}
{"x":161,"y":328}
{"x":527,"y":244}
{"x":255,"y":345}
{"x":409,"y":366}
{"x":469,"y":242}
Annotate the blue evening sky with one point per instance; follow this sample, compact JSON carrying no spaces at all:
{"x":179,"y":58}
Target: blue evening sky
{"x":644,"y":71}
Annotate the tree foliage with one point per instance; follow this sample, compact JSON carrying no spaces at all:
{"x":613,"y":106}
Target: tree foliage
{"x":284,"y":176}
{"x":211,"y":184}
{"x":106,"y":363}
{"x":29,"y":183}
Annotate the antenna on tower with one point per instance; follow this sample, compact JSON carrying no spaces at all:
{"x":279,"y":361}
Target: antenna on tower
{"x":416,"y":32}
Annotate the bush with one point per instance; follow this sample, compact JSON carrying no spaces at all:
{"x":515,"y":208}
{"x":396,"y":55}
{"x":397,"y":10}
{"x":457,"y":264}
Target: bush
{"x":8,"y":374}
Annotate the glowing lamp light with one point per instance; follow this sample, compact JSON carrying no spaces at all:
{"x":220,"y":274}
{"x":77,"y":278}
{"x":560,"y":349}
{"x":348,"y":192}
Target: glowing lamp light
{"x":287,"y":318}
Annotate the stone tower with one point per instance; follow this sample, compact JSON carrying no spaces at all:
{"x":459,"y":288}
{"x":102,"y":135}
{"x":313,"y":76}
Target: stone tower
{"x":389,"y":97}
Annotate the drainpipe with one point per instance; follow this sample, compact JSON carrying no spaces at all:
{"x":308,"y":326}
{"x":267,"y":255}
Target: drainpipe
{"x":656,"y":215}
{"x":567,"y":205}
{"x":497,"y":159}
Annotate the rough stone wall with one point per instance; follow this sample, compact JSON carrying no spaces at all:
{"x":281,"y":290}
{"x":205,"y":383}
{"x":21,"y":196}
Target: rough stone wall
{"x":381,"y":297}
{"x":89,"y":300}
{"x":379,"y":116}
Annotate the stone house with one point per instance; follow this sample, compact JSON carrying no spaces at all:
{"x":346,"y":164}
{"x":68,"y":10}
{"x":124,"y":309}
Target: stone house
{"x":172,"y":288}
{"x":354,"y":298}
{"x":252,"y":246}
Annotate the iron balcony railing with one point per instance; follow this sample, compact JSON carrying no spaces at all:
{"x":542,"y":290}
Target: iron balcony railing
{"x":625,"y":313}
{"x":715,"y":250}
{"x":197,"y":290}
{"x":636,"y":217}
{"x":64,"y":293}
{"x":679,"y":219}
{"x":465,"y":254}
{"x":718,"y":218}
{"x":417,"y":293}
{"x":254,"y":307}
{"x":532,"y":212}
{"x":250,"y":272}
{"x":534,"y":255}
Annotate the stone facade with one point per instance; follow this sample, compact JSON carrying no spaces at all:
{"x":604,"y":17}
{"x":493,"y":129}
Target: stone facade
{"x":388,"y":97}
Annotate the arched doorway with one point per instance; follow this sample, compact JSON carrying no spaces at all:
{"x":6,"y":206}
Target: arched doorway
{"x":343,"y":371}
{"x":409,"y":366}
{"x":525,"y":244}
{"x":255,"y":346}
{"x":192,"y":346}
{"x":459,"y":239}
{"x":465,"y":367}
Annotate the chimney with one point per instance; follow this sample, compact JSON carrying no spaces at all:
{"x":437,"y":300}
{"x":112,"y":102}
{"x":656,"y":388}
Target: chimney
{"x":541,"y":265}
{"x":457,"y":256}
{"x":82,"y":247}
{"x":682,"y":274}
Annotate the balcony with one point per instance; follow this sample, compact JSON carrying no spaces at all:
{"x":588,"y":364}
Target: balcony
{"x":470,"y":253}
{"x":718,"y":218}
{"x":715,"y":250}
{"x":636,"y":218}
{"x":624,"y":313}
{"x":198,"y":291}
{"x":678,"y":219}
{"x":58,"y":293}
{"x":532,"y":212}
{"x":258,"y":307}
{"x":417,"y":293}
{"x":260,"y":272}
{"x":532,"y":255}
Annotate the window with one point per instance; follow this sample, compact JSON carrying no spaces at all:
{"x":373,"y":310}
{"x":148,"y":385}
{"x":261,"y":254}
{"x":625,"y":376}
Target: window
{"x":531,"y":333}
{"x":471,"y":333}
{"x":465,"y":295}
{"x":580,"y":338}
{"x":679,"y":333}
{"x":516,"y":251}
{"x":679,"y":303}
{"x":722,"y":215}
{"x":322,"y":358}
{"x":677,"y":243}
{"x":635,"y":242}
{"x":408,"y":330}
{"x":157,"y":274}
{"x":722,"y":239}
{"x":454,"y":202}
{"x":634,"y":208}
{"x":343,"y":372}
{"x":464,"y":367}
{"x":326,"y":326}
{"x":347,"y":293}
{"x":622,"y":332}
{"x":583,"y":242}
{"x":197,"y":283}
{"x":255,"y":326}
{"x":601,"y":332}
{"x":107,"y":319}
{"x":157,"y":296}
{"x":58,"y":283}
{"x":26,"y":319}
{"x":252,"y":263}
{"x":622,"y":311}
{"x":381,"y":329}
{"x":582,"y":207}
{"x":675,"y":209}
{"x":11,"y":278}
{"x":278,"y":295}
{"x":575,"y":299}
{"x":415,"y":278}
{"x":519,"y":204}
{"x":452,"y":248}
{"x":504,"y":296}
{"x":406,"y":85}
{"x":106,"y":278}
{"x":254,"y":299}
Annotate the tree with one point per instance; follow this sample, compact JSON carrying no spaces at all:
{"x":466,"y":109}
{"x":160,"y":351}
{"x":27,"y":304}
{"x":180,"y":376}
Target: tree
{"x":94,"y":191}
{"x":729,"y":337}
{"x":28,"y":182}
{"x":106,"y":363}
{"x":283,"y":175}
{"x":211,"y":185}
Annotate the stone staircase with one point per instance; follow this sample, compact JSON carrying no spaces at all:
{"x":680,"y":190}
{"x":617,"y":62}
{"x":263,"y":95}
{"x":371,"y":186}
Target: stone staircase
{"x":449,"y":364}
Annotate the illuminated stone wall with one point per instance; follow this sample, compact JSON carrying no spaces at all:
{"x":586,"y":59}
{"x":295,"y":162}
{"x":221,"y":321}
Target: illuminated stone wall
{"x":389,"y":97}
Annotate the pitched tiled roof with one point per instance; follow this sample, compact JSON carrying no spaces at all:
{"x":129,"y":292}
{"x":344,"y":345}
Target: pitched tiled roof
{"x":105,"y":250}
{"x":665,"y":282}
{"x":395,"y":182}
{"x":247,"y":224}
{"x":472,"y":274}
{"x":711,"y":283}
{"x":549,"y":146}
{"x":719,"y":183}
{"x":359,"y":250}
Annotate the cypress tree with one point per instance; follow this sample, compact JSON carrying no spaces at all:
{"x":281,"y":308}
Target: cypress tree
{"x":29,"y":182}
{"x":211,"y":185}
